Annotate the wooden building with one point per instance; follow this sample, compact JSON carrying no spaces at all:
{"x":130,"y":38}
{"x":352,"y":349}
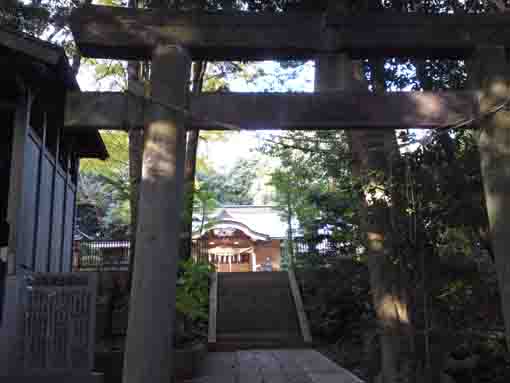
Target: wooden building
{"x":39,"y":162}
{"x":242,"y":239}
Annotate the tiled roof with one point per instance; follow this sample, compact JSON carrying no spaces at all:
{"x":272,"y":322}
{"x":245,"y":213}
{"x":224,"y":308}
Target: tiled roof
{"x":264,"y":220}
{"x":40,"y":50}
{"x":52,"y":57}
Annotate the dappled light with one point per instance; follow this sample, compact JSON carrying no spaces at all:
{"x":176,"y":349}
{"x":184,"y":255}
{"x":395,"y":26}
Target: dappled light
{"x":376,"y":243}
{"x":376,"y":193}
{"x":498,"y":87}
{"x":428,"y":104}
{"x":159,"y":162}
{"x":393,"y":311}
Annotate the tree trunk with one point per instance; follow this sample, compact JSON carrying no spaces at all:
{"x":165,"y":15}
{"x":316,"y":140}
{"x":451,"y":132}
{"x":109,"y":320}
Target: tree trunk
{"x":489,"y":73}
{"x":135,"y":142}
{"x":199,"y":68}
{"x":135,"y":176}
{"x":372,"y":152}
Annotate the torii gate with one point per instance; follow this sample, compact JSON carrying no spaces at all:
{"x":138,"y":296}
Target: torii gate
{"x":172,"y":40}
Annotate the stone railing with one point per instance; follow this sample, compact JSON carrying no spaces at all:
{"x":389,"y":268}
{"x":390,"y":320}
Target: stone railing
{"x":58,"y":323}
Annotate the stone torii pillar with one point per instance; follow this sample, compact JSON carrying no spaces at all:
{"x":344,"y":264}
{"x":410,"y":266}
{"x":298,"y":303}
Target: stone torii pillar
{"x":149,"y":345}
{"x":490,"y":74}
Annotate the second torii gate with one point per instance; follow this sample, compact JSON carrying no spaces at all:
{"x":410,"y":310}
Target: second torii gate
{"x":173,"y":40}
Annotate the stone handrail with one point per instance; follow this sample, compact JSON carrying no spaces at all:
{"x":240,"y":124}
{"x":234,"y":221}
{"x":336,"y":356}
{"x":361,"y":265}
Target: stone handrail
{"x":303,"y":321}
{"x":213,"y":308}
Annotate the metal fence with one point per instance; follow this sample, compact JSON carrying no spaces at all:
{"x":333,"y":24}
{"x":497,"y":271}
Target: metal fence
{"x":107,"y":255}
{"x":101,"y":255}
{"x":320,"y":246}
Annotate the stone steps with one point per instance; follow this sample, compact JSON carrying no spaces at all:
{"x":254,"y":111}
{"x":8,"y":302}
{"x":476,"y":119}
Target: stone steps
{"x":256,"y":310}
{"x":257,"y":341}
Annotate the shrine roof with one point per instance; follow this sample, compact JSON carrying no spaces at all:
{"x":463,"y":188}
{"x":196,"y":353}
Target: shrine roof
{"x":39,"y":50}
{"x":259,"y":222}
{"x":42,"y":63}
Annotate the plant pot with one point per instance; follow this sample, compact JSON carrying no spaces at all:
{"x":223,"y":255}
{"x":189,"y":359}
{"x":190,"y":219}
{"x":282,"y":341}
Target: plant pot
{"x":188,"y":359}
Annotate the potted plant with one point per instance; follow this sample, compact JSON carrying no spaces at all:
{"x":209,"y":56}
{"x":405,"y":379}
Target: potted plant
{"x":192,"y":312}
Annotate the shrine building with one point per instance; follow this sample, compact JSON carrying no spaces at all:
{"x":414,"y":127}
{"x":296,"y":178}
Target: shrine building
{"x":39,"y":161}
{"x":242,"y":239}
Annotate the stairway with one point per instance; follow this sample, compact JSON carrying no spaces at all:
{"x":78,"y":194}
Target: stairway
{"x":256,"y":311}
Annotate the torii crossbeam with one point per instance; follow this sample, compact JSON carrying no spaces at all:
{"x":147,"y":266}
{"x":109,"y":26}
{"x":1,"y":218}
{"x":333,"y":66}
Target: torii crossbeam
{"x":259,"y":111}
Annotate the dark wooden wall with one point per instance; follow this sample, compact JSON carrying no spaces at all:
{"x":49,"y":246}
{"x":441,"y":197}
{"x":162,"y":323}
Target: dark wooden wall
{"x":49,"y":189}
{"x":6,"y":128}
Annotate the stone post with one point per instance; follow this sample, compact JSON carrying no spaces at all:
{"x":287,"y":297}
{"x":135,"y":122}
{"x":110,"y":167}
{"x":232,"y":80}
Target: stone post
{"x":149,"y":345}
{"x":490,"y":75}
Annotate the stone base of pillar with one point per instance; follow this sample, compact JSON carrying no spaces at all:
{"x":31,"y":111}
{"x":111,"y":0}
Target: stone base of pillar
{"x":9,"y":325}
{"x":53,"y":378}
{"x":34,"y":303}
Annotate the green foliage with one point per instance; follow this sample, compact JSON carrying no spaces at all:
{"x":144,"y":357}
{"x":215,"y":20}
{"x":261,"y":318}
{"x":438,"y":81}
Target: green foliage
{"x":337,"y":300}
{"x":104,"y":191}
{"x":204,"y":204}
{"x":314,"y":182}
{"x":113,"y":70}
{"x":494,"y":365}
{"x":117,"y":144}
{"x":29,"y":18}
{"x":103,"y":206}
{"x":192,"y":300}
{"x":233,"y":187}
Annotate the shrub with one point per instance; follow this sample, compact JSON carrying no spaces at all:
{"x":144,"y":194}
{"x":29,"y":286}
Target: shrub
{"x":192,"y":301}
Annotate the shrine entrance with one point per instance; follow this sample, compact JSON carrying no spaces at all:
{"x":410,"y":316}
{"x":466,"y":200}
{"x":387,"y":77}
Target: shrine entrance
{"x":229,"y":250}
{"x":335,"y":42}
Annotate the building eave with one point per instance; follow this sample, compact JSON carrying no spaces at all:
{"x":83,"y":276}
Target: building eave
{"x":254,"y":235}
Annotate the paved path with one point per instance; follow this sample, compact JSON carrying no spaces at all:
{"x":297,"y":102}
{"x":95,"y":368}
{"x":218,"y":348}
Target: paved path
{"x":271,"y":366}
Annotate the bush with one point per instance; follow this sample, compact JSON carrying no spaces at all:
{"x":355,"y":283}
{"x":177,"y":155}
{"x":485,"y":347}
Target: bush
{"x":337,"y":299}
{"x":192,"y":301}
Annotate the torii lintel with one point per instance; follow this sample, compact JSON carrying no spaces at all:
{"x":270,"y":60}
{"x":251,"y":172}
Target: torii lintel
{"x":132,"y":34}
